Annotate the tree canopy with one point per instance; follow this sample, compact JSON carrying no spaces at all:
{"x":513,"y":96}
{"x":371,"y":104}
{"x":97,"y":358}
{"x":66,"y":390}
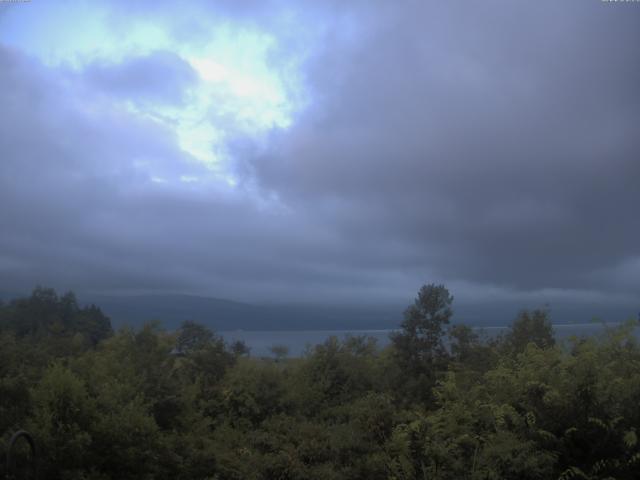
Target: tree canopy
{"x":440,"y":402}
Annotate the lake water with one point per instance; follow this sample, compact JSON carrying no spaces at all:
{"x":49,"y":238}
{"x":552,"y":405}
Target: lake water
{"x":297,"y":340}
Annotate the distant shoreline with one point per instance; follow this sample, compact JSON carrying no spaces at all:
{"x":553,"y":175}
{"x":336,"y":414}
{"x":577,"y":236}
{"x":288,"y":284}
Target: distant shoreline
{"x":296,"y":341}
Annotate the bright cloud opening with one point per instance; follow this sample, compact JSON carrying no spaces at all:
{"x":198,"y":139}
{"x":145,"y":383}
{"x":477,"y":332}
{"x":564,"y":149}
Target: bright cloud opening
{"x":239,"y":93}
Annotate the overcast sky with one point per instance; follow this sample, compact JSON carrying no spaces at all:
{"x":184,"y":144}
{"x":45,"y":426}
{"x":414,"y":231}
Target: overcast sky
{"x":321,"y":151}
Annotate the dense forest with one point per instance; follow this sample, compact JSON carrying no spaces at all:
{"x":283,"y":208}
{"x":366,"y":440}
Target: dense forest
{"x":440,"y":402}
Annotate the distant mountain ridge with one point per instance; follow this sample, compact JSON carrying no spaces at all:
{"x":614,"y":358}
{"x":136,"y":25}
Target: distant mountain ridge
{"x":224,"y":315}
{"x":221,"y":314}
{"x":227,"y":315}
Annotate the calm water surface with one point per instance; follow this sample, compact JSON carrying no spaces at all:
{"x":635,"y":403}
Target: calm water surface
{"x":298,"y":340}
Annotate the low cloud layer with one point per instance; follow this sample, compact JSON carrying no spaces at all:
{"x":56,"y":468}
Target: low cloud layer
{"x":491,"y":146}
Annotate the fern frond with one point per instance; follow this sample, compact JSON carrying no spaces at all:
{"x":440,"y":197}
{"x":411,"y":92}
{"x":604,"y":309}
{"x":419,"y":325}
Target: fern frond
{"x":630,"y":439}
{"x":598,"y":422}
{"x":573,"y":472}
{"x":635,"y":458}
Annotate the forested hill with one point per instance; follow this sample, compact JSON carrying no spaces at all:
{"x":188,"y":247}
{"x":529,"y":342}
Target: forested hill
{"x":226,"y":315}
{"x":439,"y":402}
{"x":221,"y":315}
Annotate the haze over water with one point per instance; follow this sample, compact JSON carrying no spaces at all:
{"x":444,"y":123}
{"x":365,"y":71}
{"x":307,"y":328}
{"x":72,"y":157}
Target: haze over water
{"x":298,"y":341}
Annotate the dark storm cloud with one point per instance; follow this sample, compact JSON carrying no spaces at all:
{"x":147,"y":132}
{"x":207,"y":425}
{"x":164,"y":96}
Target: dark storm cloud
{"x":490,"y":145}
{"x":159,"y":76}
{"x":80,"y":209}
{"x":499,"y":140}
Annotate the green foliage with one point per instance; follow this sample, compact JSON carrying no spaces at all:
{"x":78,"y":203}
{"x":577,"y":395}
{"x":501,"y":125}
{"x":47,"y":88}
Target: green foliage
{"x":530,"y":327}
{"x":151,"y":404}
{"x":44,"y":314}
{"x":468,"y":352}
{"x":419,"y":348}
{"x":253,"y":392}
{"x":62,"y":416}
{"x":193,"y":337}
{"x":419,"y":343}
{"x":280,"y":352}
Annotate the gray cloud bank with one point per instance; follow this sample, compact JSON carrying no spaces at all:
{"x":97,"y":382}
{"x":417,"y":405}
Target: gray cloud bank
{"x":159,"y":76}
{"x":494,"y":146}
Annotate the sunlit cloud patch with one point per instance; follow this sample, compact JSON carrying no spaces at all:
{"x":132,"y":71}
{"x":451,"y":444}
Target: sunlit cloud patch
{"x":240,"y":89}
